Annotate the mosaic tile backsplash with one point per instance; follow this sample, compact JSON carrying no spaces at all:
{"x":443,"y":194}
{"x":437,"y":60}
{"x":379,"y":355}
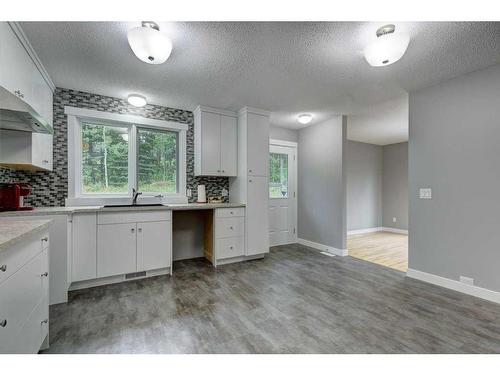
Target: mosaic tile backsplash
{"x":51,"y":188}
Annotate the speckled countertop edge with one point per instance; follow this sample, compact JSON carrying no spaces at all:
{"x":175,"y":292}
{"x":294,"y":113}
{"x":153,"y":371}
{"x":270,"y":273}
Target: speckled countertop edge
{"x":12,"y":232}
{"x":47,"y":211}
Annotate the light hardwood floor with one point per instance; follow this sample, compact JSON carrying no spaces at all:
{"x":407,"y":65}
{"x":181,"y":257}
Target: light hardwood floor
{"x":384,"y":248}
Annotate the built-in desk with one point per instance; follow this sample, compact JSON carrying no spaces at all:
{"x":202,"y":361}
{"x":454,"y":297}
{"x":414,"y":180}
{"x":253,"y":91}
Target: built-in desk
{"x":214,"y":230}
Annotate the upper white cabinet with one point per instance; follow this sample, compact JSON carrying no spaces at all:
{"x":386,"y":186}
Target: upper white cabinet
{"x":258,"y":141}
{"x":26,"y":150}
{"x":215,"y":142}
{"x":21,"y":72}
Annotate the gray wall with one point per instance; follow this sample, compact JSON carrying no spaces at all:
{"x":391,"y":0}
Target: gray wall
{"x":321,"y":183}
{"x":455,"y":150}
{"x":364,"y":185}
{"x":283,"y":134}
{"x":395,"y":186}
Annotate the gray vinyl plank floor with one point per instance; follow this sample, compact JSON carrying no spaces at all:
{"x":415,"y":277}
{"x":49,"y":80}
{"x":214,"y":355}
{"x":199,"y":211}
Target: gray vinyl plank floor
{"x":295,"y":300}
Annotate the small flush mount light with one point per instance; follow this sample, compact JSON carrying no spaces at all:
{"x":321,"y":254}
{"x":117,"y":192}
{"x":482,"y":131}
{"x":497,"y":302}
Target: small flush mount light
{"x":388,"y":48}
{"x":149,"y":44}
{"x":137,"y":100}
{"x":304,"y":118}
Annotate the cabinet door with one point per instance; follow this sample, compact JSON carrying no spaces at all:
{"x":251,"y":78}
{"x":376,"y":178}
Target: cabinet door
{"x":210,"y":144}
{"x":84,"y":247}
{"x":258,"y":145}
{"x":41,"y":150}
{"x":116,"y":249}
{"x":16,"y":65}
{"x":257,"y":229}
{"x":228,"y":146}
{"x":154,"y":245}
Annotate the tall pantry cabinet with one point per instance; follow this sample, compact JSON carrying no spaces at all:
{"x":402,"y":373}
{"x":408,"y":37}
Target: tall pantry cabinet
{"x":251,"y":186}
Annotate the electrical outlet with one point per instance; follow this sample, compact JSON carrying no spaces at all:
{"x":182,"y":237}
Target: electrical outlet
{"x":394,"y":219}
{"x":425,"y":193}
{"x":188,"y":193}
{"x":224,"y":193}
{"x":467,"y":280}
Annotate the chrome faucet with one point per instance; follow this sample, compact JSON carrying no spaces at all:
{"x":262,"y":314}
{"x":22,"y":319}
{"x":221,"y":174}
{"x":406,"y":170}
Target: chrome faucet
{"x":135,"y":194}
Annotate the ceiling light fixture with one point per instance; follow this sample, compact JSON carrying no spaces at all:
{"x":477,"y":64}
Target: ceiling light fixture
{"x":137,"y":100}
{"x":388,"y":48}
{"x":149,"y":44}
{"x":304,"y":118}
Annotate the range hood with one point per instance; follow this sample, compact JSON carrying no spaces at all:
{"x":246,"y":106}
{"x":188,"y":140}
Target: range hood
{"x":16,"y":114}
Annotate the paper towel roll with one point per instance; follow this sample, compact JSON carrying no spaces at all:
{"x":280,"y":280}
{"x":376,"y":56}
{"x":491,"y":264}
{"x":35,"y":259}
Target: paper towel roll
{"x":202,"y":196}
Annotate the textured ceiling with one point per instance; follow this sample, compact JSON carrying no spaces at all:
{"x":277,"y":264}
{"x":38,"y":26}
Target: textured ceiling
{"x":287,"y":68}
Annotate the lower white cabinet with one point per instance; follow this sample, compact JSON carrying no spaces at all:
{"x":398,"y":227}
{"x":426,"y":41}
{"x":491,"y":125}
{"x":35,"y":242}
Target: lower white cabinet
{"x":84,"y":247}
{"x":116,"y":249}
{"x":154,"y":245}
{"x":24,"y":300}
{"x":229,"y":233}
{"x":257,"y":222}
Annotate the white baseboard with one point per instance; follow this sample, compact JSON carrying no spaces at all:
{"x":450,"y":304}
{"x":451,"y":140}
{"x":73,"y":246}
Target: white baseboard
{"x":221,"y":262}
{"x":318,"y":246}
{"x":366,"y":230}
{"x":394,"y":230}
{"x":472,"y":290}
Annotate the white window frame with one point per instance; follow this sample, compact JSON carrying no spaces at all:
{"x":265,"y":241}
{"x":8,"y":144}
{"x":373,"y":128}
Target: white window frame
{"x":76,"y":197}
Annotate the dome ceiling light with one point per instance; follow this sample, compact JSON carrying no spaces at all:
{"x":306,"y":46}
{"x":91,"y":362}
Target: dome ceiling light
{"x":137,"y":100}
{"x":388,"y":48}
{"x":304,"y":118}
{"x":149,"y":44}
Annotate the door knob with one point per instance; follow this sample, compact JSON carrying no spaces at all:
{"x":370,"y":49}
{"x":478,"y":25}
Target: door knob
{"x":45,"y":274}
{"x":45,"y":239}
{"x":3,"y":323}
{"x":45,"y":321}
{"x":3,"y":267}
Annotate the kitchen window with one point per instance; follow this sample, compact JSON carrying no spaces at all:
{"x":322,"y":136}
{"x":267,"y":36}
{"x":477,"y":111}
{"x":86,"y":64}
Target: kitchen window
{"x":111,"y":154}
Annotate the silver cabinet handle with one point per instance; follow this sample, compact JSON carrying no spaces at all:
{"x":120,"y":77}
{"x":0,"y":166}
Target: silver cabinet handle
{"x":3,"y":323}
{"x":45,"y":321}
{"x":249,"y":180}
{"x":223,"y":171}
{"x":231,"y":213}
{"x":250,"y":170}
{"x":231,"y":247}
{"x":132,"y":230}
{"x":3,"y":267}
{"x":139,"y":229}
{"x":45,"y":161}
{"x":45,"y":274}
{"x":231,"y":228}
{"x":45,"y":239}
{"x":218,"y":170}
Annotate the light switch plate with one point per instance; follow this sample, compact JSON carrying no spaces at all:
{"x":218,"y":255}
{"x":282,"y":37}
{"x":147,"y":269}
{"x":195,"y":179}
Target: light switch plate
{"x":394,"y":219}
{"x":188,"y":192}
{"x":425,"y":193}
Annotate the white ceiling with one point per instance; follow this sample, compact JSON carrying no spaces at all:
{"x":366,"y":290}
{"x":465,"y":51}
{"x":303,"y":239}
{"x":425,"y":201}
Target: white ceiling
{"x":285,"y":67}
{"x":380,"y":124}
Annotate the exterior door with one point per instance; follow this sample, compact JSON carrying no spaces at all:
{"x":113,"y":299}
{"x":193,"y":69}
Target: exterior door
{"x":282,"y":195}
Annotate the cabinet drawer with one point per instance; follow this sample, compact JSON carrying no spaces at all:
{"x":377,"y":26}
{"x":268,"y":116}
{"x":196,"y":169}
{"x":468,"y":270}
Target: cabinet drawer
{"x":229,"y":227}
{"x":19,"y":295}
{"x":133,"y":217}
{"x":229,"y":247}
{"x":230,"y":212}
{"x":15,"y":257}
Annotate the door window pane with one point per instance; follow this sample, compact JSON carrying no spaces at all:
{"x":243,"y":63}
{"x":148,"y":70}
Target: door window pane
{"x":278,"y":175}
{"x":157,"y":161}
{"x":104,"y":159}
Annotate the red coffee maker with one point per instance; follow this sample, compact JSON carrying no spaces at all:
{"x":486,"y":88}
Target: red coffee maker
{"x":12,"y":196}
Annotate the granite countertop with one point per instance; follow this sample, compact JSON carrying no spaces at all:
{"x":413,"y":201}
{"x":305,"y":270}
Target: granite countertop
{"x":71,"y":210}
{"x":12,"y":232}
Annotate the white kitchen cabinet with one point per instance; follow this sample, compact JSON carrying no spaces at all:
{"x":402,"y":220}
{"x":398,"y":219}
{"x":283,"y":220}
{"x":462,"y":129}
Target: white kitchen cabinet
{"x":22,"y":73}
{"x":116,"y":249}
{"x":84,"y":247}
{"x":24,"y":300}
{"x":251,"y":186}
{"x":258,"y":141}
{"x":154,"y":245}
{"x":215,"y":134}
{"x":257,"y":223}
{"x":26,"y":150}
{"x":229,"y":233}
